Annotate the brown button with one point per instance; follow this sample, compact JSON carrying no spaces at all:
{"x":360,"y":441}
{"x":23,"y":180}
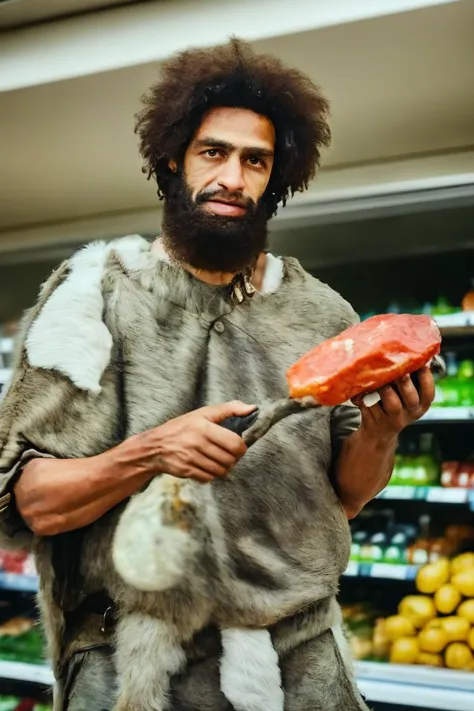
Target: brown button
{"x":219,"y":327}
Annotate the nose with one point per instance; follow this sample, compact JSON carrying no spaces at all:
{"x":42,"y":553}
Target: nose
{"x":231,"y":177}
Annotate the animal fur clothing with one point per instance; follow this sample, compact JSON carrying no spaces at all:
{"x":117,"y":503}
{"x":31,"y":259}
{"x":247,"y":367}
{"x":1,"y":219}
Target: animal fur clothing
{"x":219,"y":591}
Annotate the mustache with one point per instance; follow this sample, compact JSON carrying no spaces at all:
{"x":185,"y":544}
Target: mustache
{"x":235,"y":198}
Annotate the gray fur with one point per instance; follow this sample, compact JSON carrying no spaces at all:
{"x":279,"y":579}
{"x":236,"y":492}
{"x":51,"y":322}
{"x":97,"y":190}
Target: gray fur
{"x":274,"y":536}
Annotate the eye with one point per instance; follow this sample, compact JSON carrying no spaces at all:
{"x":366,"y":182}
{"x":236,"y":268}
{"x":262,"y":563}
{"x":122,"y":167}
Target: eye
{"x":256,"y":162}
{"x":211,"y":152}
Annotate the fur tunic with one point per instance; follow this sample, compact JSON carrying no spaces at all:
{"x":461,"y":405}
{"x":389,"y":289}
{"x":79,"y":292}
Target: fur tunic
{"x":121,"y":341}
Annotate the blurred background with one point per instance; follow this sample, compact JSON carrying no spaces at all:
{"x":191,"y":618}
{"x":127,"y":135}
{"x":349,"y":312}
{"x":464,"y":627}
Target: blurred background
{"x":388,"y":223}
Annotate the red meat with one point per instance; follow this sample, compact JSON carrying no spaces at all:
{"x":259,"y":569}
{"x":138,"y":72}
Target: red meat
{"x":364,"y":358}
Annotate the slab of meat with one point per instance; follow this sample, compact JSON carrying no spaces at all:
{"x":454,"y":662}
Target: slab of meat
{"x":364,"y":358}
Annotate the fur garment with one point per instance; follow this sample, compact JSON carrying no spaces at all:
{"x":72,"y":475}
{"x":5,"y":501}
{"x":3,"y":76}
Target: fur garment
{"x":121,"y":341}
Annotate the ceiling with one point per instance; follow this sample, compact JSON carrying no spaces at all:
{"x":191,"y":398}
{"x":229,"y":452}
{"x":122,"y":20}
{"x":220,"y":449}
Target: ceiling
{"x":399,"y":85}
{"x":20,"y":13}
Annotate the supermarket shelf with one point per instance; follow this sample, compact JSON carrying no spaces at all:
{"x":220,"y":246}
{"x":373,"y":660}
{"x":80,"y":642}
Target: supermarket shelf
{"x":19,"y":583}
{"x":418,"y":686}
{"x":29,"y":673}
{"x":387,"y":571}
{"x":460,"y":324}
{"x":433,"y":494}
{"x":449,"y":414}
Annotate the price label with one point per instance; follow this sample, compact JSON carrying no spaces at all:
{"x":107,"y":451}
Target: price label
{"x":448,"y":496}
{"x":386,"y":570}
{"x":352,"y":569}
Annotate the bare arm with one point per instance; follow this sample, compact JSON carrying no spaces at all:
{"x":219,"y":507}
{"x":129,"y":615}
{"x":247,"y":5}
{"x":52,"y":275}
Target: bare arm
{"x":365,"y":463}
{"x":58,"y":495}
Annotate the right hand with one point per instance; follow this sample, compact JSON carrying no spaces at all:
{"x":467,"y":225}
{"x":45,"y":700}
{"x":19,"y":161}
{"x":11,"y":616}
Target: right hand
{"x":193,"y":446}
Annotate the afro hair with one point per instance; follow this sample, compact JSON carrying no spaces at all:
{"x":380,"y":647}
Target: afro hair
{"x":194,"y":81}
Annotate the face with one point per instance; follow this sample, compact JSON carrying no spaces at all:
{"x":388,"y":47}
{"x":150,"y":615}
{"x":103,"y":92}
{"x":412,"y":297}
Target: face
{"x":230,"y":160}
{"x":215,"y":217}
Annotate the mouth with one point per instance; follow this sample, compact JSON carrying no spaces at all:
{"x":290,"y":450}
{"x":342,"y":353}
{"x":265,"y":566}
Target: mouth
{"x":221,"y":207}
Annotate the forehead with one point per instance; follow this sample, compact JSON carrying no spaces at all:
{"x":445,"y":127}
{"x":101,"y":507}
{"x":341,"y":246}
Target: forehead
{"x":238,"y":127}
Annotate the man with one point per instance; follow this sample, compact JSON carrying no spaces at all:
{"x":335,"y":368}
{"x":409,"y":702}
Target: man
{"x":134,"y":354}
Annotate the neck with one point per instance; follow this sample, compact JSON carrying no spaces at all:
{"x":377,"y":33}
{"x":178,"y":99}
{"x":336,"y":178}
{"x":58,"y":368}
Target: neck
{"x":219,"y":278}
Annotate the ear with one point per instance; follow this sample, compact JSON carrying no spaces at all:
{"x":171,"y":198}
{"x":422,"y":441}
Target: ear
{"x":173,"y":166}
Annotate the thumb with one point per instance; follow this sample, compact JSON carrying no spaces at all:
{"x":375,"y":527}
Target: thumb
{"x":217,"y":413}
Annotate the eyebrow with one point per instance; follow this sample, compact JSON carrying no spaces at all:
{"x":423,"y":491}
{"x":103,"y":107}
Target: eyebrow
{"x":226,"y":146}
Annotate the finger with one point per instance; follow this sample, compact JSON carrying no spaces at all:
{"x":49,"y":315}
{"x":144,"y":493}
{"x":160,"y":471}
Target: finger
{"x":227,"y":440}
{"x":217,"y":454}
{"x":235,"y":408}
{"x":201,"y":477}
{"x":390,"y":401}
{"x":208,"y":466}
{"x":408,"y":393}
{"x":427,"y":387}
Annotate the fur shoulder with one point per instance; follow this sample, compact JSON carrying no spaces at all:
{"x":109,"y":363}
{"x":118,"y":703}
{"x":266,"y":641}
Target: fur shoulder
{"x":66,"y":332}
{"x":323,"y":301}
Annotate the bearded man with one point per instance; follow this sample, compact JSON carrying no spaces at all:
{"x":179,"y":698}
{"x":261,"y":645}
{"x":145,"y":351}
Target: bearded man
{"x":135,"y":352}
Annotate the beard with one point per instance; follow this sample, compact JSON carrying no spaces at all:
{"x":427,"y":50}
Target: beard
{"x":215,"y":243}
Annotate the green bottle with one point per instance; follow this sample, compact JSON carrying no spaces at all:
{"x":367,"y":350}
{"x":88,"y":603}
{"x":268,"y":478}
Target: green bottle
{"x":466,"y":383}
{"x":447,"y":389}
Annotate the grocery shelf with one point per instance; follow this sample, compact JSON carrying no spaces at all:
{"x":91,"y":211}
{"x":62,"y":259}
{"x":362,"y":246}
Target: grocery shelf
{"x":432,"y":494}
{"x":448,"y":414}
{"x":389,"y":571}
{"x":418,"y":686}
{"x":29,"y":673}
{"x":459,"y":324}
{"x":19,"y":583}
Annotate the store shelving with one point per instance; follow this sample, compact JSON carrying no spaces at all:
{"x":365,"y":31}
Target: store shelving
{"x":416,"y":686}
{"x":30,"y":673}
{"x":388,"y":571}
{"x":431,"y":494}
{"x":19,"y":583}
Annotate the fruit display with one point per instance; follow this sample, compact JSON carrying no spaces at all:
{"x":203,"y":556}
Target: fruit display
{"x":436,"y":626}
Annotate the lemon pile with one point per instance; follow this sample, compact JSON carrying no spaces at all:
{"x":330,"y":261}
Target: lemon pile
{"x":437,"y":627}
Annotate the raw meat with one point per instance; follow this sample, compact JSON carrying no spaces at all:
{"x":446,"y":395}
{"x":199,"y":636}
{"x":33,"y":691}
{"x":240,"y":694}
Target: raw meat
{"x":364,"y":358}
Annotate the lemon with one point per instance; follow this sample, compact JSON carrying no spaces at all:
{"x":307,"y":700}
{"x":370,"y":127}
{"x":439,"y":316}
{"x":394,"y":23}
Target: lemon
{"x":457,"y":628}
{"x":462,"y":562}
{"x":431,"y":660}
{"x":405,"y":650}
{"x":458,"y":656}
{"x":432,"y":576}
{"x":398,"y":626}
{"x":470,"y":639}
{"x":464,"y":582}
{"x":433,"y":640}
{"x":447,"y":598}
{"x":419,"y":609}
{"x":466,"y":610}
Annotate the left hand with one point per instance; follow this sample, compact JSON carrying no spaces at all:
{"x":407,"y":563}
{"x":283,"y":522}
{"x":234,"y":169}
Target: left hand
{"x":401,"y":404}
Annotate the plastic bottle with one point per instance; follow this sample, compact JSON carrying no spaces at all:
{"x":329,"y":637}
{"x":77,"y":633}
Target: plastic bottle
{"x":447,"y":389}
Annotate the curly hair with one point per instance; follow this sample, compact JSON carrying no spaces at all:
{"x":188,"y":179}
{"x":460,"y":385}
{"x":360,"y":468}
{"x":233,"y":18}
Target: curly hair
{"x":233,"y":75}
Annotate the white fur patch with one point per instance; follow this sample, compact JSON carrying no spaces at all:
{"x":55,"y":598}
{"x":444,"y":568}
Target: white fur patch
{"x":273,"y":275}
{"x":69,"y":334}
{"x":250,"y":671}
{"x":147,"y":553}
